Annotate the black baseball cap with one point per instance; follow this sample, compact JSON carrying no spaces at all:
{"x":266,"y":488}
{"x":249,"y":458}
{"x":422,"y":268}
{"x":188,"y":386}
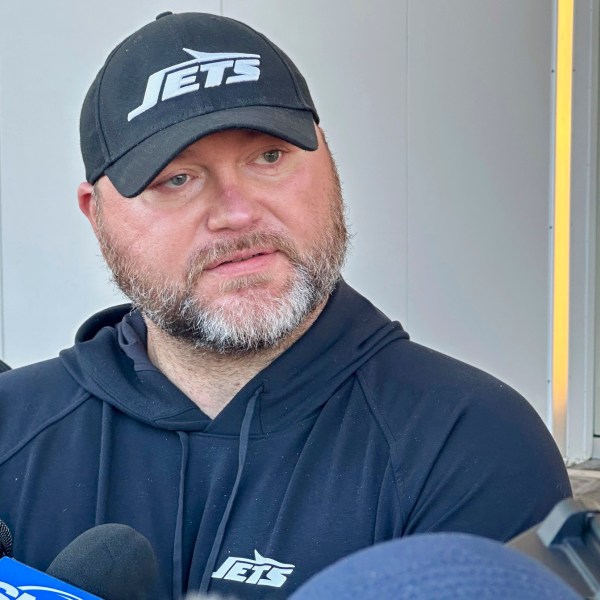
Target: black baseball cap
{"x":179,"y":78}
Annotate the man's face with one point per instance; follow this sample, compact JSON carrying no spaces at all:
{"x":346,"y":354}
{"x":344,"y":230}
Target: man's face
{"x":233,"y":245}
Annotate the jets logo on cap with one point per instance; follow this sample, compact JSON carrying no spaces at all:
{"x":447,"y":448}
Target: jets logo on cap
{"x":183,"y":78}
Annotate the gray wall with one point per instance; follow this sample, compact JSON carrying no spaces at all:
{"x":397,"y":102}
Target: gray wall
{"x":438,"y":114}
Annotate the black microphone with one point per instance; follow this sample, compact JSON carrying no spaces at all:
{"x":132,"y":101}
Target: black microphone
{"x":111,"y":561}
{"x":6,"y":542}
{"x":20,"y":581}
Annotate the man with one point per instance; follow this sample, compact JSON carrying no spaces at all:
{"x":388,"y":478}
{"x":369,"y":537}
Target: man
{"x":252,"y":415}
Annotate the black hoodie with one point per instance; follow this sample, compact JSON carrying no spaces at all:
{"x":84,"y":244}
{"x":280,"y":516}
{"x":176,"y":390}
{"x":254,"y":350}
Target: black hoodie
{"x":352,"y":436}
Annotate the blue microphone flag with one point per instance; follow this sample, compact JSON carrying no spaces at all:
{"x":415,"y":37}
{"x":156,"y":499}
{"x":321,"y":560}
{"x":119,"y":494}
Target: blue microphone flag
{"x":20,"y":582}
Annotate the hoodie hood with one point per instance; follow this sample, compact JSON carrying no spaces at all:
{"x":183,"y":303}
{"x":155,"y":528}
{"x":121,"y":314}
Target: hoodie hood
{"x":335,"y":346}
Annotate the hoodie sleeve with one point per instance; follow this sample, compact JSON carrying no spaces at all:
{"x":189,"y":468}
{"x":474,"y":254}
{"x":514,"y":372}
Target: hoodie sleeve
{"x":469,"y":453}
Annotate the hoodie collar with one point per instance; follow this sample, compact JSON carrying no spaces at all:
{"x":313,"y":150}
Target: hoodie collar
{"x":347,"y":333}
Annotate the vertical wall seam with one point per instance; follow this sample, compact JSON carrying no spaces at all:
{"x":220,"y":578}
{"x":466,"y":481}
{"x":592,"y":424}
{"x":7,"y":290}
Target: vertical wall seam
{"x":2,"y":281}
{"x":590,"y":243}
{"x":551,"y":167}
{"x":407,"y":163}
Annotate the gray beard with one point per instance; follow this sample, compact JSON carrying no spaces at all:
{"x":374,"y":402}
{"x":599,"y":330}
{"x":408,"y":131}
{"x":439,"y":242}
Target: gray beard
{"x":246,"y":323}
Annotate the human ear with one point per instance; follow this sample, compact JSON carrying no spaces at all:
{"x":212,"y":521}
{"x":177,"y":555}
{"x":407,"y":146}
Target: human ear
{"x":87,"y":202}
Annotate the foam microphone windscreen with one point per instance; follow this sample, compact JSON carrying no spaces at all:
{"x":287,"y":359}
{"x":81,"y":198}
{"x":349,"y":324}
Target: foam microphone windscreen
{"x":6,"y":542}
{"x":111,"y":561}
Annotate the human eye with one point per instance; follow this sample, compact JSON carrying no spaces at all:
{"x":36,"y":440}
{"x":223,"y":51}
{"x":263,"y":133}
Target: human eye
{"x":177,"y":181}
{"x":270,"y":157}
{"x":174,"y":186}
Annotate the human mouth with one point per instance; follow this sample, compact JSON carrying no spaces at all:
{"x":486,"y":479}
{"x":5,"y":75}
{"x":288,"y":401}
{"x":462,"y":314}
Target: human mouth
{"x":243,"y":261}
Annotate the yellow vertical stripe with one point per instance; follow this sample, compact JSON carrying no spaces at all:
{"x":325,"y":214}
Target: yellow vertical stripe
{"x":562,"y":218}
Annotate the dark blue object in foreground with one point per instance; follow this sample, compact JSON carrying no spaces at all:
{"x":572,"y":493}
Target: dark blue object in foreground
{"x":443,"y":566}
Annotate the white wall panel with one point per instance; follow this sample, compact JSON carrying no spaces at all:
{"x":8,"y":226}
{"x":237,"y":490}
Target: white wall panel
{"x":480,"y":115}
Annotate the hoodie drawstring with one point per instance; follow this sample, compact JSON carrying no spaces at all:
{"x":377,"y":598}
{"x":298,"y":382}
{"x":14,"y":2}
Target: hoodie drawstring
{"x":243,"y":450}
{"x":104,"y":468}
{"x":178,"y":542}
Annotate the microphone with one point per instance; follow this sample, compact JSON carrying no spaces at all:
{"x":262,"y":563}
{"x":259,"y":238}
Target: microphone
{"x":6,"y":542}
{"x":111,"y":561}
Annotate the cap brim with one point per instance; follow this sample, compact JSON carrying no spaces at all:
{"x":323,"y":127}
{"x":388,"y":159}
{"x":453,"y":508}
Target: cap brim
{"x":136,"y":169}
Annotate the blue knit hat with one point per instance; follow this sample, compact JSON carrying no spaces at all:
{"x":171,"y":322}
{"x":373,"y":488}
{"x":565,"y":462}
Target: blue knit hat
{"x":441,"y":566}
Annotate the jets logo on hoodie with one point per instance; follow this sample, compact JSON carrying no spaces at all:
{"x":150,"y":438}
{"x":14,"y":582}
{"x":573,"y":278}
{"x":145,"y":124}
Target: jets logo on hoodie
{"x":260,"y":571}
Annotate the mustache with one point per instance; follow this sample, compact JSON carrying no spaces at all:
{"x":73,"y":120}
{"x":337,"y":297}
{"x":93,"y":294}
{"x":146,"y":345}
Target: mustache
{"x":222,"y":250}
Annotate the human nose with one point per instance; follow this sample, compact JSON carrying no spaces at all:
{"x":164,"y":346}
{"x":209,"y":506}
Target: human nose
{"x":234,"y":206}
